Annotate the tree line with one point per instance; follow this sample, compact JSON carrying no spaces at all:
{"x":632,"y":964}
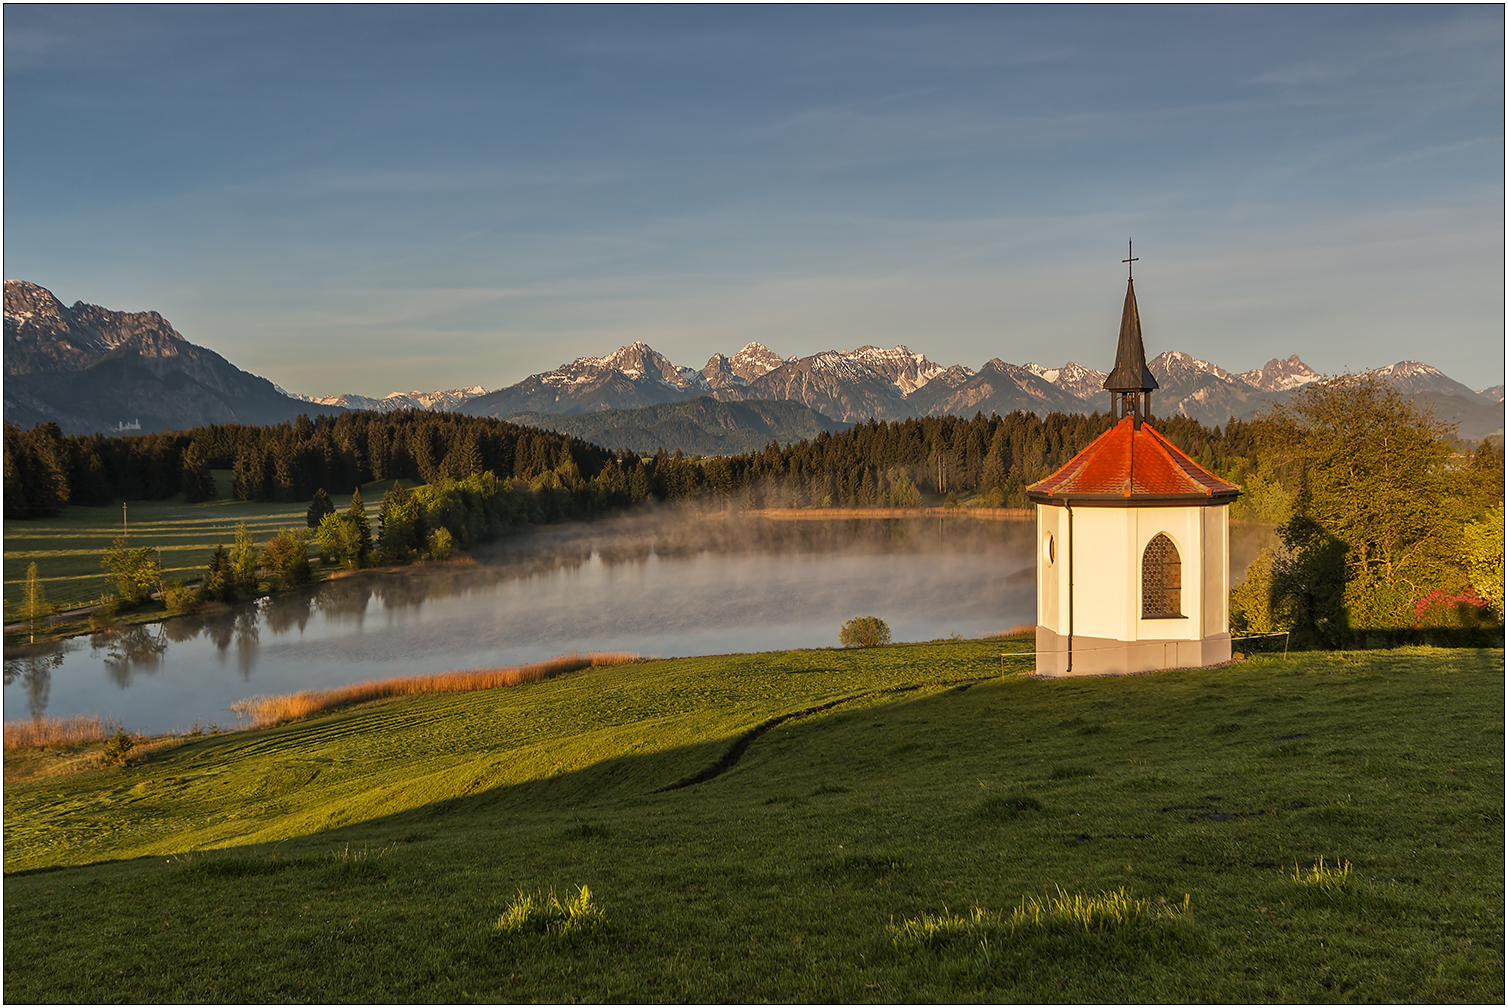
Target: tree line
{"x":46,"y":470}
{"x":873,"y":464}
{"x":1384,"y":521}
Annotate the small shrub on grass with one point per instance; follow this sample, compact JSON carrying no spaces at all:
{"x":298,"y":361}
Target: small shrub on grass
{"x":547,"y":915}
{"x":864,"y":631}
{"x":1328,"y":877}
{"x":117,"y":747}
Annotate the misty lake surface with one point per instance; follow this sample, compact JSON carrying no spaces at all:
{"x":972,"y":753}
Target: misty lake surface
{"x":661,"y":585}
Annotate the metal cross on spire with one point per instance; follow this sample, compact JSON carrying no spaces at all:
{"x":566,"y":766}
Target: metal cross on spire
{"x":1130,"y":260}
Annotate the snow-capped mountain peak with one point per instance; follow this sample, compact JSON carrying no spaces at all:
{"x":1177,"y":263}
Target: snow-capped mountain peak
{"x":753,"y":361}
{"x":1073,"y":378}
{"x":1281,"y":375}
{"x":1173,"y":361}
{"x":905,"y":370}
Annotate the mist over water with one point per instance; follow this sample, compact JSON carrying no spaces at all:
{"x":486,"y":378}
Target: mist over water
{"x":662,"y":584}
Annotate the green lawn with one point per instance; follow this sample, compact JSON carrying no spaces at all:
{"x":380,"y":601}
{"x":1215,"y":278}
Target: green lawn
{"x":67,"y":549}
{"x":366,"y":854}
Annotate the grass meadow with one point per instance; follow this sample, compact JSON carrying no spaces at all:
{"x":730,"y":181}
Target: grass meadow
{"x":67,"y":549}
{"x":881,"y":825}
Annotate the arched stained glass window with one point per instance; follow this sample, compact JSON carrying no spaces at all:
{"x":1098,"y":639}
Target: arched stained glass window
{"x":1161,"y":579}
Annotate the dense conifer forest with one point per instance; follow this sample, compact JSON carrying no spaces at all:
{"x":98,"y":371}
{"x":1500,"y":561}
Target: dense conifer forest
{"x":873,"y":464}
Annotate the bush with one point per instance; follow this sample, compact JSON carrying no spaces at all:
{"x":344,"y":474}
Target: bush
{"x":288,"y":558}
{"x":109,"y":612}
{"x":116,"y":749}
{"x":440,"y":544}
{"x":864,"y":631}
{"x":180,"y":598}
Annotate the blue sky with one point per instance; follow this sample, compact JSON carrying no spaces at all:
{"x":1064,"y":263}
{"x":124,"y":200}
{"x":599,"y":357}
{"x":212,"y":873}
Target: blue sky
{"x":370,"y":199}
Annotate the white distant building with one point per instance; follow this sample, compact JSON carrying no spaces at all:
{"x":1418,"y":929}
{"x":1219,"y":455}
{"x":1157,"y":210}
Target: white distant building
{"x":1133,"y":565}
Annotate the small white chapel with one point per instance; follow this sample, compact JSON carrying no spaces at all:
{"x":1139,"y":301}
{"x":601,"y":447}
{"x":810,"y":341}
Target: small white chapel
{"x":1133,"y":560}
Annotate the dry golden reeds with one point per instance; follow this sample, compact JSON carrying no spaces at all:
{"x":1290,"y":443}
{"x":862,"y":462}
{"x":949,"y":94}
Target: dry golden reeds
{"x":261,"y":711}
{"x":45,"y":731}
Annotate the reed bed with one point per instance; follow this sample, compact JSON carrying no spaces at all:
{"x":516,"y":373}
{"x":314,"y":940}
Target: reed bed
{"x":263,"y":711}
{"x":36,"y":733}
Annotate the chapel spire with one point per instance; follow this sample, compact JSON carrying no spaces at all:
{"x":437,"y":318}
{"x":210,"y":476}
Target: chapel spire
{"x":1130,"y":381}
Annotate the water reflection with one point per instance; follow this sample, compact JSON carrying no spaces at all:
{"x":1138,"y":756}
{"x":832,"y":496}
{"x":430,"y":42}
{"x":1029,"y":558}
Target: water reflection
{"x":657,"y":584}
{"x":136,"y":648}
{"x":34,"y":673}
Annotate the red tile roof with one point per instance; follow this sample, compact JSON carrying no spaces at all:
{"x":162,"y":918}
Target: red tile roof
{"x":1128,"y":465}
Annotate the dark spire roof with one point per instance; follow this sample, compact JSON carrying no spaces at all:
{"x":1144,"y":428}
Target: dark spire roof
{"x":1130,"y":373}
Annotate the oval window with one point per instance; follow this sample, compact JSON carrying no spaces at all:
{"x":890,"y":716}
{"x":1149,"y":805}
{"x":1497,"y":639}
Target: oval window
{"x":1050,"y":549}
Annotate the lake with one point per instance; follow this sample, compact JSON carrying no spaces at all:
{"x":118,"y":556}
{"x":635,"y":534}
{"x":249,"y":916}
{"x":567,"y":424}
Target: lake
{"x":662,"y":584}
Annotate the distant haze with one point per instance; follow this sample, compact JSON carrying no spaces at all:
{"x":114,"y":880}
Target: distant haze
{"x":375,"y":199}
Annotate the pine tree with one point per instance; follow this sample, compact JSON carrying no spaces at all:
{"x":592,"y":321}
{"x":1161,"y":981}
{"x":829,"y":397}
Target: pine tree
{"x":219,"y":585}
{"x":357,"y":516}
{"x":246,"y":481}
{"x":198,"y":484}
{"x":318,"y":508}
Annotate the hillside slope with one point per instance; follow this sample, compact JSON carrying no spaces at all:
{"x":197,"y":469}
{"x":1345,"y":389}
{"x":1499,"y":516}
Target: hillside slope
{"x":370,"y":851}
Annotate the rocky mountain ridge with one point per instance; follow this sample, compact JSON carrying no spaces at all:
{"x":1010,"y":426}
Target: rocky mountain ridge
{"x":447,"y":401}
{"x":90,"y":368}
{"x":853,"y":385}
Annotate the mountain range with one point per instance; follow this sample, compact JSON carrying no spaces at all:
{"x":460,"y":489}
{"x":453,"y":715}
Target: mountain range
{"x":854,"y":385}
{"x":89,"y":368}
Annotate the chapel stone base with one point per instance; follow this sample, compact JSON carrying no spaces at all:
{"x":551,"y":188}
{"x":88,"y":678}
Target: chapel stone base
{"x":1104,"y":656}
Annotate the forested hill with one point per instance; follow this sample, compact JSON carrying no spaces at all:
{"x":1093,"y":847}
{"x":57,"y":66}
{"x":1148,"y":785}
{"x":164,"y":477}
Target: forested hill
{"x":872,"y":464}
{"x":701,"y":426}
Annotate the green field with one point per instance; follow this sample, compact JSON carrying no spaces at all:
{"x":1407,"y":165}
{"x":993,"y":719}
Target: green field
{"x":67,"y":549}
{"x":365,"y":855}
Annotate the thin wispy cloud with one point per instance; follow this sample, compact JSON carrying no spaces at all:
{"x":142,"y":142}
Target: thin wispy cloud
{"x":314,"y":192}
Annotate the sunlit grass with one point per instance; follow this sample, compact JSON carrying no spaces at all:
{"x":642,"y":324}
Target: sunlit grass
{"x":538,"y":914}
{"x":261,"y":711}
{"x":1078,"y":914}
{"x":898,"y":836}
{"x":67,"y":549}
{"x":1324,"y":876}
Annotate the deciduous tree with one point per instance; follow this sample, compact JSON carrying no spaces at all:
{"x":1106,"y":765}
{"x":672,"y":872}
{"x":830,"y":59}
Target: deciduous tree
{"x":136,"y":571}
{"x":864,"y":631}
